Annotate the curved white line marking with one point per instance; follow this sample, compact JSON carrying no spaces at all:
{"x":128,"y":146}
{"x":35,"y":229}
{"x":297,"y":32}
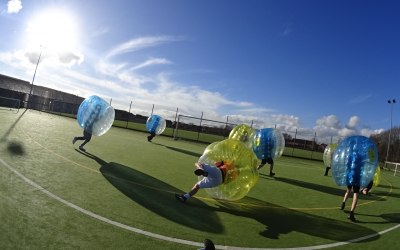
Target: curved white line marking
{"x":176,"y":240}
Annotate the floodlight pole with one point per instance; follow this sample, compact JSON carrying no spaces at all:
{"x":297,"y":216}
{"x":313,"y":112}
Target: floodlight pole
{"x":34,"y":75}
{"x":391,"y":103}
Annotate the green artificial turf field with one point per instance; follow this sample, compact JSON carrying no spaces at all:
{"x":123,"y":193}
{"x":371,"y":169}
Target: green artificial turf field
{"x":120,"y":195}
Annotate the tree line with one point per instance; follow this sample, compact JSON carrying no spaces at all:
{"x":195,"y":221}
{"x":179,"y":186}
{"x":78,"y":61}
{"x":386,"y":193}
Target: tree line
{"x":382,"y":141}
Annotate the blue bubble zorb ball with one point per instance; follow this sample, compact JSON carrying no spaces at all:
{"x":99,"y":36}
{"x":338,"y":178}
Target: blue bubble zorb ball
{"x":268,"y":143}
{"x":354,"y":161}
{"x":155,"y":124}
{"x":95,"y":115}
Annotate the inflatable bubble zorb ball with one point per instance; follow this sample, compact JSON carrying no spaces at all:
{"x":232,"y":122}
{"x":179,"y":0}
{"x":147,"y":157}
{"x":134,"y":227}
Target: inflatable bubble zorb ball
{"x":377,"y":176}
{"x":95,"y":115}
{"x":155,"y":124}
{"x":328,"y":153}
{"x":354,"y":161}
{"x":241,"y":163}
{"x":243,"y":133}
{"x":268,"y":143}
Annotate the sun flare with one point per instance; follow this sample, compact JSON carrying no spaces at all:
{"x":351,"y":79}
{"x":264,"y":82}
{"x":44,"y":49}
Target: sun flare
{"x":54,"y":29}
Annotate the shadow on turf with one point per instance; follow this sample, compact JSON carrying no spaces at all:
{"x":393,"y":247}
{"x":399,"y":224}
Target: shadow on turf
{"x":313,"y":186}
{"x":180,"y":150}
{"x":157,"y":196}
{"x":14,"y":147}
{"x":6,"y":134}
{"x":379,"y":193}
{"x":374,"y":195}
{"x":280,"y":220}
{"x":390,"y":218}
{"x":388,"y":187}
{"x":389,"y":191}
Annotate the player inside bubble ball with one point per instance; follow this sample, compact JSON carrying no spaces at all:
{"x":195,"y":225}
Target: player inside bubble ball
{"x":88,"y":130}
{"x":355,"y":161}
{"x":270,"y":161}
{"x":213,"y":177}
{"x":87,"y":136}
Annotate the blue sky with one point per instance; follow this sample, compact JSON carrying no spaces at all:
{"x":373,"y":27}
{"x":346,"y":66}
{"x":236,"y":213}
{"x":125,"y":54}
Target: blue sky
{"x":317,"y":66}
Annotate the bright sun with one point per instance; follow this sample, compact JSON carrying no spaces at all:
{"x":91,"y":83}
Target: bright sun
{"x":54,"y":29}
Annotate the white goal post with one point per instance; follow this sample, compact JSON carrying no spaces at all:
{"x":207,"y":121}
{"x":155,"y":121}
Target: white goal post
{"x":396,"y":164}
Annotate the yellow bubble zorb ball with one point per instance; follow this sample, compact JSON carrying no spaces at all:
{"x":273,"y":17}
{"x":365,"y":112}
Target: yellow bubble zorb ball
{"x":241,"y":164}
{"x":243,"y":133}
{"x":328,"y":153}
{"x":377,"y":176}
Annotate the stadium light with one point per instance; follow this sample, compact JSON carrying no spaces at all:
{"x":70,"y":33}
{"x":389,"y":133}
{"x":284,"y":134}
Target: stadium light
{"x":34,"y":74}
{"x":391,"y":103}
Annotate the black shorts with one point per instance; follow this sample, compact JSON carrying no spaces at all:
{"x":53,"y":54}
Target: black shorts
{"x":356,"y":189}
{"x":87,"y":135}
{"x":371,"y":183}
{"x":268,"y":160}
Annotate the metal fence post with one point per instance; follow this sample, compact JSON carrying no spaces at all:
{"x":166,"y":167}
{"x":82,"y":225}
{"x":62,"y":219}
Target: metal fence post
{"x":226,"y":124}
{"x":294,"y":142}
{"x":313,"y":145}
{"x":176,"y":129}
{"x":129,"y":114}
{"x":198,"y":132}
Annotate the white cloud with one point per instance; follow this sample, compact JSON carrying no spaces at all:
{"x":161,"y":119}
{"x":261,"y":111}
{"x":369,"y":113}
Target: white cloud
{"x":140,"y":43}
{"x":193,"y":99}
{"x":123,"y":82}
{"x":99,"y":32}
{"x":330,"y":121}
{"x":353,"y":122}
{"x":330,"y":126}
{"x":109,"y":69}
{"x":368,"y":132}
{"x":70,"y":58}
{"x":287,"y":29}
{"x":151,"y":62}
{"x":360,"y":99}
{"x":290,"y":122}
{"x":120,"y":73}
{"x":250,"y":107}
{"x":347,"y":132}
{"x":242,"y":119}
{"x":27,"y":59}
{"x":14,"y":6}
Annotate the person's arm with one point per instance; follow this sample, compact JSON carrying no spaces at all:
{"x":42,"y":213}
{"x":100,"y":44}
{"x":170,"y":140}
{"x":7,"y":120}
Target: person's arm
{"x":203,"y":166}
{"x":198,"y":165}
{"x":201,"y":169}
